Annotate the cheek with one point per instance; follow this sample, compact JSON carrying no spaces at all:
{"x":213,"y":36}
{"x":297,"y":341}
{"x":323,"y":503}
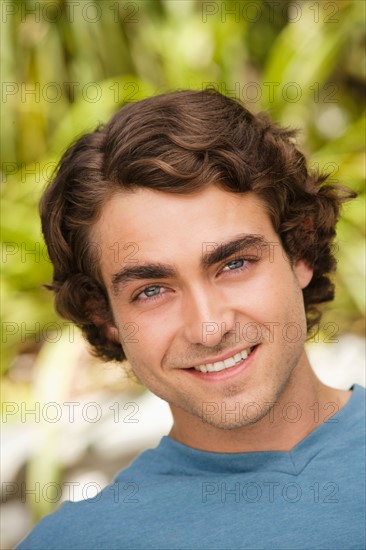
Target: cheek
{"x":259,"y":298}
{"x":269,"y":299}
{"x":151,"y":341}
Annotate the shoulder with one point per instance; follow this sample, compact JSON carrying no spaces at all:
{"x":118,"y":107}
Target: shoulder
{"x":90,"y":524}
{"x":107,"y":520}
{"x":64,"y":528}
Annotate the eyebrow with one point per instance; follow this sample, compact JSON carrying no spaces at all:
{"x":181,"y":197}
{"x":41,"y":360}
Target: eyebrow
{"x":144,"y":271}
{"x":216,"y":254}
{"x":225,"y":250}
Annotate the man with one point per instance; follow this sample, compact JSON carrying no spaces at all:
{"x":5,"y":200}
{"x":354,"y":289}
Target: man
{"x":188,"y":236}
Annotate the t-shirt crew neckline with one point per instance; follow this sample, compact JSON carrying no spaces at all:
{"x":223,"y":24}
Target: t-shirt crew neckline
{"x":194,"y":461}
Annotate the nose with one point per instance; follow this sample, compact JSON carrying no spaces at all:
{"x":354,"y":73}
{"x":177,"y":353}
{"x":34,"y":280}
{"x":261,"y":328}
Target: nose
{"x":207,"y":317}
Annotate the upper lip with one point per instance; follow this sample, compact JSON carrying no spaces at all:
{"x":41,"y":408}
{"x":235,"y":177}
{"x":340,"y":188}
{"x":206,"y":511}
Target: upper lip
{"x":219,"y":358}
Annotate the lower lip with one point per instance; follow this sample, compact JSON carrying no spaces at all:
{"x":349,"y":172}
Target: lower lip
{"x":226,"y":373}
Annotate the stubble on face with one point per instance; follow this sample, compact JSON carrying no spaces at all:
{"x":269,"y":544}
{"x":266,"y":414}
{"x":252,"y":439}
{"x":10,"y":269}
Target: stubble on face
{"x":269,"y":292}
{"x":258,"y":394}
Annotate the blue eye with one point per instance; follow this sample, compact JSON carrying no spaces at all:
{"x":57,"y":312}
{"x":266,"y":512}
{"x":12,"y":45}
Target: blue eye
{"x":151,"y":291}
{"x":234,"y":264}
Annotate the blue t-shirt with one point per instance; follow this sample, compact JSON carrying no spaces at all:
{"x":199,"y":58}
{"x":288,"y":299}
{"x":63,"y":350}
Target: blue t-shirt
{"x":176,"y":497}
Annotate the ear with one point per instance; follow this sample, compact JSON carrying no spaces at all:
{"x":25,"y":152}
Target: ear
{"x":107,"y":327}
{"x":112,"y":333}
{"x":303,"y":272}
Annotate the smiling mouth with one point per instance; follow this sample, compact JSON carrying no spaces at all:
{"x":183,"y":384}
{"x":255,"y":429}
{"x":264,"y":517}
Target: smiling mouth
{"x":228,"y":363}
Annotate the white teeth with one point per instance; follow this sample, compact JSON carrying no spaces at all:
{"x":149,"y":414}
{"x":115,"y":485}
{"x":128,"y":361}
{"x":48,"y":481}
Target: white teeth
{"x":244,"y":354}
{"x":220,"y":365}
{"x":226,"y":364}
{"x":229,"y":362}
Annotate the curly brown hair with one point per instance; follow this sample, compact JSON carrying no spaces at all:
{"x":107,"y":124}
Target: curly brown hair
{"x":178,"y":143}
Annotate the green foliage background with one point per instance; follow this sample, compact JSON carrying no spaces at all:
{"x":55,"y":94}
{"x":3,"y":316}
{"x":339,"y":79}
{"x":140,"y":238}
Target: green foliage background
{"x":67,"y":66}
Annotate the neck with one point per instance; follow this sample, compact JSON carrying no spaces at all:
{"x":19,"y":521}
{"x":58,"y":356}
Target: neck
{"x":304,"y":404}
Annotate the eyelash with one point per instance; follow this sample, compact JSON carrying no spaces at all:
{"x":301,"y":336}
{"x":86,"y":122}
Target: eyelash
{"x":150,"y":299}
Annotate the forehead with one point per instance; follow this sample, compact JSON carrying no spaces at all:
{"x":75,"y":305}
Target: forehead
{"x":165,"y":226}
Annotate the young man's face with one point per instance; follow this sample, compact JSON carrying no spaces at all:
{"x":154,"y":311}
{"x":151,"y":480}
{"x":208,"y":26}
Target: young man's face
{"x":196,"y":280}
